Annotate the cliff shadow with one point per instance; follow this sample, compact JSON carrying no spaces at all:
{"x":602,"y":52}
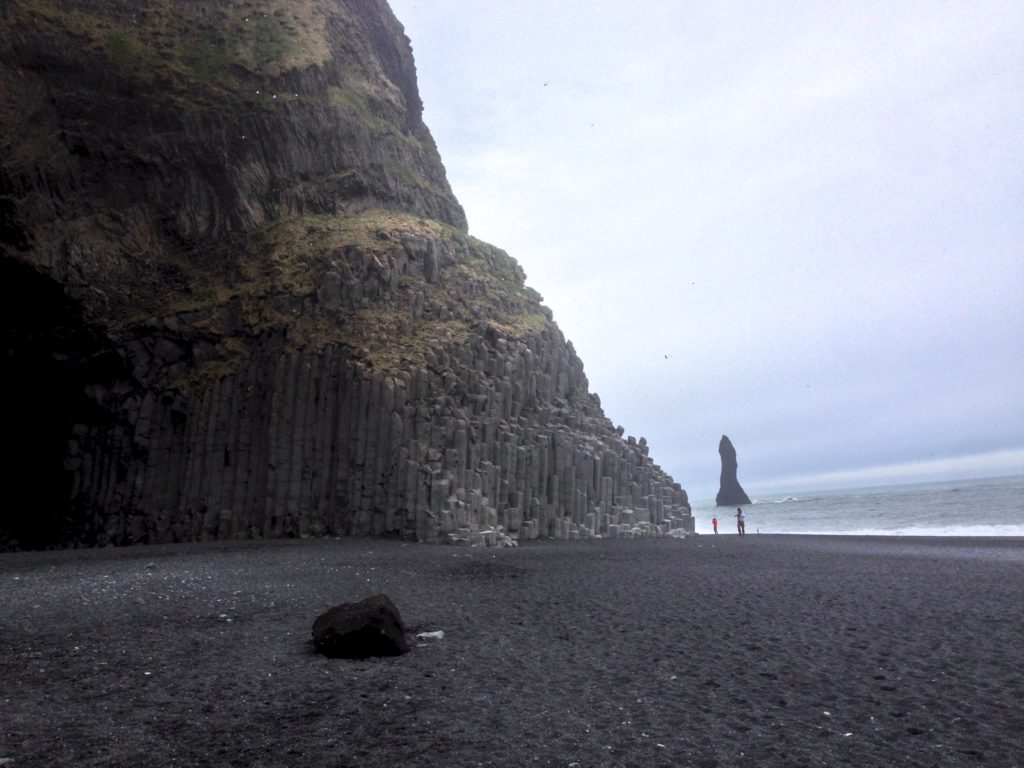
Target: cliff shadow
{"x":55,"y":369}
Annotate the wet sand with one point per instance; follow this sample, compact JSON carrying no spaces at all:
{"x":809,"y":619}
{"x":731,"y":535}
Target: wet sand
{"x":710,"y":651}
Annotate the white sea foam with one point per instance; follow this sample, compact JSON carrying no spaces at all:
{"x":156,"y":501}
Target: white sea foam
{"x":993,"y":507}
{"x":950,"y":531}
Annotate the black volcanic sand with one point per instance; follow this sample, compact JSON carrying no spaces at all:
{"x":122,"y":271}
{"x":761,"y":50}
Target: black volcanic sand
{"x":711,"y":651}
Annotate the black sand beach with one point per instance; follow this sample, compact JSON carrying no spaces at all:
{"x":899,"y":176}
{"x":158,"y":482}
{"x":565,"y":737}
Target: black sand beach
{"x":727,"y":651}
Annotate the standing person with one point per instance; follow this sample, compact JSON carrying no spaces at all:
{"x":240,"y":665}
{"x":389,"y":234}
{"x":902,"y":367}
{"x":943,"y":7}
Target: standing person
{"x":714,"y":524}
{"x":741,"y":527}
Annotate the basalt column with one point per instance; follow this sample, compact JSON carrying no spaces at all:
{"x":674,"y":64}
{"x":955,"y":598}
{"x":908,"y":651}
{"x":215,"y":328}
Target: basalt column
{"x":315,"y":443}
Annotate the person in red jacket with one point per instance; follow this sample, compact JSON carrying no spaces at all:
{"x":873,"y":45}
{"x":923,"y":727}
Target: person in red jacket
{"x":714,"y":523}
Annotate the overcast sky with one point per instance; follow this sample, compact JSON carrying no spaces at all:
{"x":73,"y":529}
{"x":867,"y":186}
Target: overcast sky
{"x":799,"y":224}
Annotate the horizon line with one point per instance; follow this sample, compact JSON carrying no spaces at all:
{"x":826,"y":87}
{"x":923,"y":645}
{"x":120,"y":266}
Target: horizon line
{"x":978,"y":466}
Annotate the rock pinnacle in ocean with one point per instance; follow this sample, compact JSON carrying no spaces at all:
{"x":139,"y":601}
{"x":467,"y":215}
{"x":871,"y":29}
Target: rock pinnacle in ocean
{"x":730,"y":492}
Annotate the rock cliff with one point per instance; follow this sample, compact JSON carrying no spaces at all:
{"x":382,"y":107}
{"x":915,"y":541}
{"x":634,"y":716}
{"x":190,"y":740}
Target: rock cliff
{"x":240,"y":299}
{"x":730,"y":492}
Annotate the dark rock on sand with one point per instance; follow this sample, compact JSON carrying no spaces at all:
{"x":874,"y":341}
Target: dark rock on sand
{"x":371,"y":627}
{"x":730,"y":491}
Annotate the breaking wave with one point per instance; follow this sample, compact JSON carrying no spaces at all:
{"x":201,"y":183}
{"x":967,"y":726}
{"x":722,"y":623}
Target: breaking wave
{"x":991,"y":507}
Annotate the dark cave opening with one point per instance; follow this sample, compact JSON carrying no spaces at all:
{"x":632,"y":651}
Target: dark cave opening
{"x":50,"y":359}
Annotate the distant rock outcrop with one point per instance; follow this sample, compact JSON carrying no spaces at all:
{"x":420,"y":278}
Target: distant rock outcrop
{"x":730,"y":492}
{"x":239,"y":299}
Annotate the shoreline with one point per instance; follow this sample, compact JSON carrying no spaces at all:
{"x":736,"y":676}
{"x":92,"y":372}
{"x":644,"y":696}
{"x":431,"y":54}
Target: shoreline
{"x":1013,"y":545}
{"x":770,"y":649}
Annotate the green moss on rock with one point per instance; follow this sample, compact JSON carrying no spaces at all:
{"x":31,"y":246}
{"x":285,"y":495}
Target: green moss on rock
{"x":200,"y":54}
{"x":273,"y":277}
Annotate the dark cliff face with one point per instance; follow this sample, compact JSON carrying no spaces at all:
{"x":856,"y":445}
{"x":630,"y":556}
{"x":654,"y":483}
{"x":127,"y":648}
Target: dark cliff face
{"x":241,"y":298}
{"x":730,"y":492}
{"x":140,"y":135}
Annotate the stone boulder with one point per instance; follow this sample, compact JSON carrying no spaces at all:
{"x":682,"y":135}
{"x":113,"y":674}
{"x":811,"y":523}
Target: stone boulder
{"x":730,"y":492}
{"x":371,"y":627}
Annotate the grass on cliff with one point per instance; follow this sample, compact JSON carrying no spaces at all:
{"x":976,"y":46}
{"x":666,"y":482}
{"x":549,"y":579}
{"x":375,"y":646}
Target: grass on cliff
{"x":272,"y":278}
{"x":226,"y":56}
{"x":195,"y":51}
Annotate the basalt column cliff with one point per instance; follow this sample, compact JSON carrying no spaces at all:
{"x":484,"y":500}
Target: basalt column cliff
{"x":239,"y":298}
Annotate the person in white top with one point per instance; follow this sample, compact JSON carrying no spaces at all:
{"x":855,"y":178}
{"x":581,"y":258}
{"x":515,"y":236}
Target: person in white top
{"x":741,"y":527}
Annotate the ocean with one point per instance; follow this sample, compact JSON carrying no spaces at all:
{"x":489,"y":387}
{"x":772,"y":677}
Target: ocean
{"x":990,"y":507}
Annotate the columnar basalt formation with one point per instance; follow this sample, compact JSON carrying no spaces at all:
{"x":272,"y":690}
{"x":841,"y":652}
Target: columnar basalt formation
{"x":240,"y":300}
{"x":730,"y":492}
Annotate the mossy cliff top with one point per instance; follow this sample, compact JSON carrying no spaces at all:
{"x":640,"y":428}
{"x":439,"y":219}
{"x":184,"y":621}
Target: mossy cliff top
{"x":134,"y":127}
{"x":235,"y":170}
{"x":200,"y":54}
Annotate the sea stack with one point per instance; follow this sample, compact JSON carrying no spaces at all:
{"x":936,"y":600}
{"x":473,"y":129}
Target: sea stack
{"x":730,"y":492}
